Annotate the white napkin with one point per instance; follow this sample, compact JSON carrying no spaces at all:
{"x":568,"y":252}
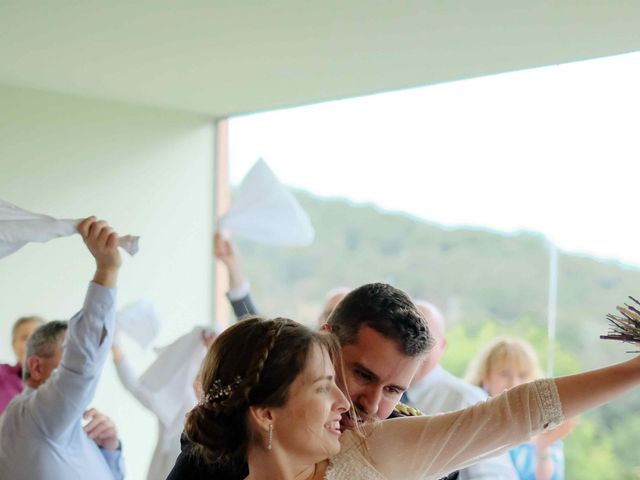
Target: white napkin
{"x":19,"y":227}
{"x":173,"y":372}
{"x":264,"y":210}
{"x":140,"y":321}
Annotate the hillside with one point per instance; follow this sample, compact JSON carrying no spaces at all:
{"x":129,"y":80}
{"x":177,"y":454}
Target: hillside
{"x":474,"y":275}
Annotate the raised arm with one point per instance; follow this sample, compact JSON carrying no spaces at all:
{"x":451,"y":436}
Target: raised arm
{"x":130,"y":380}
{"x":224,"y":251}
{"x":63,"y":398}
{"x":239,"y":293}
{"x":413,"y":447}
{"x":588,"y":390}
{"x":548,"y":452}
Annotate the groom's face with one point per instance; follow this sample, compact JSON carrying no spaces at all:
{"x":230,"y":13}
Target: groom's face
{"x":376,"y":373}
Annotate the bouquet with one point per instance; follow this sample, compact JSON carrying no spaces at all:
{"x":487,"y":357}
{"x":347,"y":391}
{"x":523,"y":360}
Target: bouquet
{"x":626,"y":326}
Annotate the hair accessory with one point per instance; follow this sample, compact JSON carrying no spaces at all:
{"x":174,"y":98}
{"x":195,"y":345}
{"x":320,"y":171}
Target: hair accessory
{"x":219,"y":392}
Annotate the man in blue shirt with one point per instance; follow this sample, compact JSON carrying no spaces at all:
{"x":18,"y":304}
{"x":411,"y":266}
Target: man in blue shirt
{"x":41,"y":433}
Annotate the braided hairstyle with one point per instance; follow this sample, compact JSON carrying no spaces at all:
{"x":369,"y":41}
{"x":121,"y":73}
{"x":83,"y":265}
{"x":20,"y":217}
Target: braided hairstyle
{"x":253,"y":362}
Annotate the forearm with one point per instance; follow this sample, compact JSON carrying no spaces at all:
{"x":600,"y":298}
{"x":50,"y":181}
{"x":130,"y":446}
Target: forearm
{"x":243,"y":306}
{"x":545,"y":466}
{"x":115,"y":461}
{"x":455,"y":440}
{"x":125,"y":374}
{"x":585,"y":391}
{"x":106,"y":276}
{"x":236,"y":277}
{"x":132,"y":384}
{"x":117,"y":353}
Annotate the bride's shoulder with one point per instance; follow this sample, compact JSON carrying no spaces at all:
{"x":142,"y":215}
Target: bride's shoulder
{"x":351,"y":462}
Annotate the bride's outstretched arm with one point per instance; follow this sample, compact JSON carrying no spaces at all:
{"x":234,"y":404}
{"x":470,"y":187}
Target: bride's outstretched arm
{"x":588,"y":390}
{"x":418,"y":447}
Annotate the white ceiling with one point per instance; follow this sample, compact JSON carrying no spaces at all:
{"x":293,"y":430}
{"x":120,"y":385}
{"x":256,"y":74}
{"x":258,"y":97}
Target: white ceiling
{"x":239,"y":56}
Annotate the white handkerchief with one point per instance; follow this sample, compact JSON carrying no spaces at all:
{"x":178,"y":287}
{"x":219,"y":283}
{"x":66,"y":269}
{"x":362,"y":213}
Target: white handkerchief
{"x":264,"y":210}
{"x":173,"y":373}
{"x":140,"y":321}
{"x":19,"y":227}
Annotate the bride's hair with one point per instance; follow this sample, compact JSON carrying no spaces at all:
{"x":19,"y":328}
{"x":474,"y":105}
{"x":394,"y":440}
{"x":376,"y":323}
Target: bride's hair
{"x":253,"y":362}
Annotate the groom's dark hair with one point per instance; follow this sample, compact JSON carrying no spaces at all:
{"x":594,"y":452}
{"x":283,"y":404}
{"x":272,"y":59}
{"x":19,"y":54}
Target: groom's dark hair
{"x":387,"y":310}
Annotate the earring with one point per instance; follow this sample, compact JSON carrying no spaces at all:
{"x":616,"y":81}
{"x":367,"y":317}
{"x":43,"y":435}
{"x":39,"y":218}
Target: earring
{"x":270,"y":436}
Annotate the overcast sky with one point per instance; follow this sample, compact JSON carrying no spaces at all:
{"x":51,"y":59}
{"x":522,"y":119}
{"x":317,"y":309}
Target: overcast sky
{"x":554,"y":150}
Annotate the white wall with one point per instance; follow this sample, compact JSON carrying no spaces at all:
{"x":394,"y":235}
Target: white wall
{"x":150,"y":173}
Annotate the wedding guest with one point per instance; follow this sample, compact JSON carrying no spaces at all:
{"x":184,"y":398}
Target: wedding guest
{"x":505,"y":363}
{"x":11,"y":375}
{"x":41,"y":433}
{"x":170,"y":406}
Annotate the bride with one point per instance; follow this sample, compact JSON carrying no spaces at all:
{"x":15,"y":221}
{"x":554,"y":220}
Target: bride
{"x":272,"y":398}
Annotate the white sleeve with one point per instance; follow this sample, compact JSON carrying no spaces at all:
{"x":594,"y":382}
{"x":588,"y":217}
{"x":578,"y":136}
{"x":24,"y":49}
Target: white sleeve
{"x":417,"y":447}
{"x":131,"y":382}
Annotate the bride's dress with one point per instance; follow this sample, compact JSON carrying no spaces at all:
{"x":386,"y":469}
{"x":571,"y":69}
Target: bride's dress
{"x":429,"y":447}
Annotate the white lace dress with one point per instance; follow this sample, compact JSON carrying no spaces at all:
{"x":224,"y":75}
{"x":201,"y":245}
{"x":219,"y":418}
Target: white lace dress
{"x":430,"y":447}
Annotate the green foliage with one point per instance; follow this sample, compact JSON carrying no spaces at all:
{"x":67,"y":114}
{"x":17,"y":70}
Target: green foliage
{"x":624,"y":436}
{"x":590,"y":454}
{"x":463,"y":346}
{"x":486,"y":283}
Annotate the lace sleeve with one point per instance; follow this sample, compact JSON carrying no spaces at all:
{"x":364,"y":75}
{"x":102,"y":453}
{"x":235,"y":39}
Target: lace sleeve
{"x":351,"y":464}
{"x":549,"y":403}
{"x":429,"y":447}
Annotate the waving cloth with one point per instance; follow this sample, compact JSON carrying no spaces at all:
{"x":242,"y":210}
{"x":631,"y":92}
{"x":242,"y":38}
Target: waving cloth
{"x":171,"y":376}
{"x":19,"y":227}
{"x":264,"y":210}
{"x":140,"y":321}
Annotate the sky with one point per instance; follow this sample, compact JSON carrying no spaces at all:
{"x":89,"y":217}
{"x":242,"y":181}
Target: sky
{"x":554,"y":150}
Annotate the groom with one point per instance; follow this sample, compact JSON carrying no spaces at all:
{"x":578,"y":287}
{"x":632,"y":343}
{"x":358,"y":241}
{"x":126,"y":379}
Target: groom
{"x":381,"y":331}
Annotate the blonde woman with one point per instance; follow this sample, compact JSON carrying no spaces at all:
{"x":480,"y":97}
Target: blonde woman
{"x":505,"y":363}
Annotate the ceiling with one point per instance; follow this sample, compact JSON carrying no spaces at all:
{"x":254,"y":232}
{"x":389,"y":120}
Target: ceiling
{"x":238,"y":56}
